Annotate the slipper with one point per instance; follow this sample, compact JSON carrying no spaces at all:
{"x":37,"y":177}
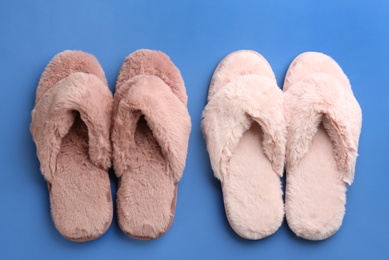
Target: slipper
{"x":150,"y":134}
{"x":243,"y":124}
{"x":324,"y":123}
{"x":70,"y":127}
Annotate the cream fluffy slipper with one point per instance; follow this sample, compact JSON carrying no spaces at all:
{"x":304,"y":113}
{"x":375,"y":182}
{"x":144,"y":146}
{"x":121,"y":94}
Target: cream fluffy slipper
{"x":150,"y":132}
{"x":324,"y":122}
{"x":70,"y":126}
{"x":244,"y":128}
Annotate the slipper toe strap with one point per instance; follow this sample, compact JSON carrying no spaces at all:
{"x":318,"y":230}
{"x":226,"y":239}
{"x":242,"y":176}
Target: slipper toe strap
{"x":231,"y":112}
{"x":166,"y":116}
{"x":56,"y":111}
{"x":323,"y":98}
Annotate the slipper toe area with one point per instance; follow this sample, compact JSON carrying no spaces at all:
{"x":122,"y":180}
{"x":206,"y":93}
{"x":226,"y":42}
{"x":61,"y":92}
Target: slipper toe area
{"x":236,"y":64}
{"x":66,"y":63}
{"x":313,"y":62}
{"x":156,"y":63}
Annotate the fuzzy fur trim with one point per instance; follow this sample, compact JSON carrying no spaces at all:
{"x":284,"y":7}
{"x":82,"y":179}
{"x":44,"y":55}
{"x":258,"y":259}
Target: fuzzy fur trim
{"x":166,"y":115}
{"x":151,"y":62}
{"x":54,"y":115}
{"x":231,"y":112}
{"x":321,"y":97}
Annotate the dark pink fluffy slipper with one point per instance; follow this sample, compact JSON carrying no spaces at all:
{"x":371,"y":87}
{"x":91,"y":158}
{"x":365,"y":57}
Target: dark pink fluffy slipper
{"x":70,"y":126}
{"x":150,"y":132}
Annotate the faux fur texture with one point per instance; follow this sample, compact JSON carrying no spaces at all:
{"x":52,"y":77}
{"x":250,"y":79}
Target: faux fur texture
{"x":150,"y":133}
{"x":327,"y":94}
{"x":324,"y":122}
{"x":244,"y":127}
{"x":54,"y":115}
{"x":230,"y":113}
{"x":70,"y":126}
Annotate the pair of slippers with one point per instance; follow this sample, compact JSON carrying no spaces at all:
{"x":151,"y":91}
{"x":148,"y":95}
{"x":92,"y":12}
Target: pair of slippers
{"x":79,"y":128}
{"x":252,"y":128}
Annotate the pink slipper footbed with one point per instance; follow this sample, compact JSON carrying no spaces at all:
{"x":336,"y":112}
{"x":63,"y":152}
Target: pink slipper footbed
{"x":323,"y":123}
{"x":150,"y":133}
{"x":243,"y":124}
{"x":70,"y":126}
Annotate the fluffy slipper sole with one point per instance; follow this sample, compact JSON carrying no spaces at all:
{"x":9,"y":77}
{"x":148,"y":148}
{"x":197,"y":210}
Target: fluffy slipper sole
{"x":244,"y":128}
{"x":70,"y":126}
{"x":150,"y":134}
{"x":324,"y":122}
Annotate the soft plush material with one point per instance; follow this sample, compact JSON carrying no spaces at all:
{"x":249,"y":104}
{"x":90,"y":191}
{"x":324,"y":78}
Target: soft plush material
{"x":70,"y":126}
{"x":150,"y":133}
{"x":324,"y":123}
{"x":244,"y":127}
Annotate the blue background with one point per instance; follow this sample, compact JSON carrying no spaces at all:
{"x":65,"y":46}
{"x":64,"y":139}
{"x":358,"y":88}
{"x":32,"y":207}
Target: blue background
{"x":196,"y":35}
